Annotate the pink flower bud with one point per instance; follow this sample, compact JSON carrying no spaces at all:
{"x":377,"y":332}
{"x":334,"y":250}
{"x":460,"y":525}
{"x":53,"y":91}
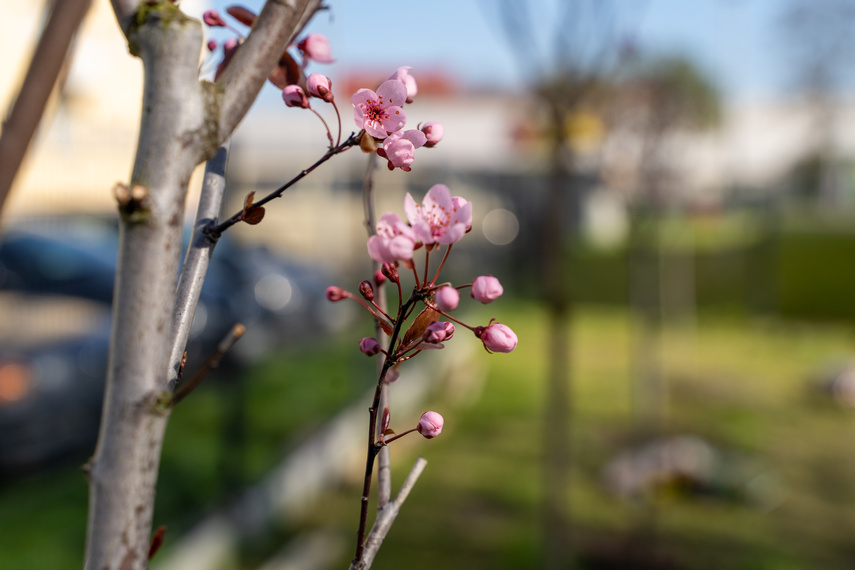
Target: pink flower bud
{"x":497,"y":337}
{"x":447,"y":298}
{"x":430,"y":425}
{"x":366,"y":290}
{"x":436,"y":332}
{"x":434,"y":132}
{"x":294,"y":96}
{"x":486,"y":288}
{"x":317,"y":47}
{"x":319,"y":86}
{"x":336,"y":293}
{"x":399,"y":148}
{"x":212,"y":18}
{"x":379,"y":278}
{"x":369,"y":346}
{"x":212,"y":45}
{"x":449,"y":330}
{"x":402,"y":74}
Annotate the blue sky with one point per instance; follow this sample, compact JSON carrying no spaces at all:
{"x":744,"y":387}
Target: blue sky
{"x":734,"y":41}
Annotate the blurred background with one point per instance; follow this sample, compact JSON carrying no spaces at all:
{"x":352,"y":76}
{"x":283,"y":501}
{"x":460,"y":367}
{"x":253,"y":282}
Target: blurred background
{"x":665,"y":189}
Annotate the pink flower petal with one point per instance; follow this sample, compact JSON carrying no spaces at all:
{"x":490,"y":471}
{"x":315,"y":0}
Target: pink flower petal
{"x":394,"y":120}
{"x":392,"y":92}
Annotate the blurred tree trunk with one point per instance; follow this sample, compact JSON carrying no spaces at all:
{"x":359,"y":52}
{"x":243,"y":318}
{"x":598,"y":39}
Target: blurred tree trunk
{"x":51,"y":53}
{"x":558,"y":301}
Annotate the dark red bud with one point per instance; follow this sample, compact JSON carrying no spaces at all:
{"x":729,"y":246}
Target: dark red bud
{"x":366,"y":290}
{"x":391,"y":272}
{"x":387,"y":417}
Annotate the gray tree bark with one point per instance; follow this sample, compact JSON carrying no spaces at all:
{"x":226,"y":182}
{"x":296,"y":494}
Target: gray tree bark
{"x":184,"y":121}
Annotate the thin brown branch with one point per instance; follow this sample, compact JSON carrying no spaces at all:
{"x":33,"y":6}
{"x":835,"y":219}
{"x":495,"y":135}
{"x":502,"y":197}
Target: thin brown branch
{"x":373,"y":415}
{"x":213,"y":361}
{"x":353,"y":140}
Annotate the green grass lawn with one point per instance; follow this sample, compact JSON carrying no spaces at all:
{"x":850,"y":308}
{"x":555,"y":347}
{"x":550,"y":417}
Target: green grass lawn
{"x":741,"y":384}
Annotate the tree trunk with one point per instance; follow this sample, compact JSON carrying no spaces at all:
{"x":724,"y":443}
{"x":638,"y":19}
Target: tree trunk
{"x":123,"y":472}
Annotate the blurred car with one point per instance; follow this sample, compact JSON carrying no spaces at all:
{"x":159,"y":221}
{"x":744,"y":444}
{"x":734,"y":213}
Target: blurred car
{"x":278,"y":300}
{"x":53,"y":359}
{"x":56,"y":289}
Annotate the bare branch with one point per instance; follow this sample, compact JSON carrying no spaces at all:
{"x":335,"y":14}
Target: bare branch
{"x":198,"y":257}
{"x":279,"y":22}
{"x":51,"y":52}
{"x":213,"y":361}
{"x":124,"y":10}
{"x":387,"y":516}
{"x":516,"y":24}
{"x":384,"y":459}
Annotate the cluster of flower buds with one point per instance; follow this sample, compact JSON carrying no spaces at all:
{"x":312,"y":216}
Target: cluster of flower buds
{"x":440,"y":220}
{"x":289,"y":73}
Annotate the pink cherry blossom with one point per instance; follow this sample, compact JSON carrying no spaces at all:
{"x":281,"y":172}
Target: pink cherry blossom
{"x":369,"y":346}
{"x":211,"y":45}
{"x":316,"y":47}
{"x":430,"y":425}
{"x":402,"y":74}
{"x":399,"y":148}
{"x":212,"y":18}
{"x":294,"y":96}
{"x":486,"y":288}
{"x":380,"y":113}
{"x":433,"y":132}
{"x":394,"y":240}
{"x":497,"y":337}
{"x":447,"y":298}
{"x":440,"y":218}
{"x":319,"y":86}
